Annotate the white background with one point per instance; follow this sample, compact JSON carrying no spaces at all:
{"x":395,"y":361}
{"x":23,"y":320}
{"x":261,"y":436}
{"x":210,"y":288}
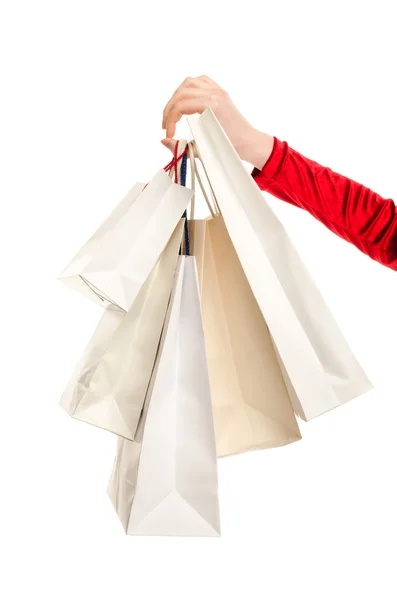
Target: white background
{"x":83,"y":85}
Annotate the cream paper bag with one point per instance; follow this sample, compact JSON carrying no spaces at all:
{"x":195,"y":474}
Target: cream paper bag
{"x":318,"y":362}
{"x":112,"y":267}
{"x":165,"y":482}
{"x":251,"y":405}
{"x":113,"y":395}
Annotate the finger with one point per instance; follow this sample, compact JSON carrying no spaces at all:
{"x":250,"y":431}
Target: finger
{"x":185,"y":94}
{"x":185,"y":107}
{"x":189,"y":82}
{"x":170,"y":144}
{"x":209,"y":81}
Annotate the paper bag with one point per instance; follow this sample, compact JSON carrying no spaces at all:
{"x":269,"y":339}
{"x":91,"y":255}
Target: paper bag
{"x":114,"y":396}
{"x":73,"y":274}
{"x":114,"y":264}
{"x":318,"y":361}
{"x":251,"y":405}
{"x":80,"y":380}
{"x":165,"y":482}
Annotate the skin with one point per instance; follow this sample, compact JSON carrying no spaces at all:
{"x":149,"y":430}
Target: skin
{"x":194,"y":95}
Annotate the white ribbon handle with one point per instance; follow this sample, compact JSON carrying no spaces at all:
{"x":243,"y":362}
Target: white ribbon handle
{"x":195,"y":173}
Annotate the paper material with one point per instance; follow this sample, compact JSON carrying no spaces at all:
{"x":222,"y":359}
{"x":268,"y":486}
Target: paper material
{"x":251,"y":405}
{"x":317,"y":359}
{"x":115,"y":394}
{"x":72,"y":275}
{"x":121,"y":261}
{"x":165,"y":483}
{"x":80,"y":380}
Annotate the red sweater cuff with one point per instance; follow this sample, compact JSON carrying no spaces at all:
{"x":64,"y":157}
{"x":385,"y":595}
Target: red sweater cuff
{"x":273,"y":166}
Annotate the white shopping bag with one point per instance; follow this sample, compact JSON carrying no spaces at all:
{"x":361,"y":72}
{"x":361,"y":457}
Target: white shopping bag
{"x":112,"y":267}
{"x":165,"y":482}
{"x":109,"y":391}
{"x":73,"y":274}
{"x":318,"y":363}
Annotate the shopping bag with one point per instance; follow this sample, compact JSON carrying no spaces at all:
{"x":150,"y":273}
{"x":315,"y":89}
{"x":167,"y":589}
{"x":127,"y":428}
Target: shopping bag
{"x":112,"y":267}
{"x":165,"y":482}
{"x":251,"y":405}
{"x":320,"y":365}
{"x":82,"y":374}
{"x":250,"y":401}
{"x":113,"y":397}
{"x":73,"y":274}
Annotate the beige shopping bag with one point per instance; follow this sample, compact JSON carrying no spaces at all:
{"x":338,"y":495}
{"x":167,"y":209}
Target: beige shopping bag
{"x":110,"y":388}
{"x":251,"y":405}
{"x":114,"y":264}
{"x":165,"y":482}
{"x":317,"y":359}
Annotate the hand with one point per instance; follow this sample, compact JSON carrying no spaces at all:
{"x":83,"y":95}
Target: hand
{"x":196,"y":94}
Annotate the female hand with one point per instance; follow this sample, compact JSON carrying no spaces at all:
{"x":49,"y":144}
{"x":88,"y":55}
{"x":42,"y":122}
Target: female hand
{"x":196,"y":94}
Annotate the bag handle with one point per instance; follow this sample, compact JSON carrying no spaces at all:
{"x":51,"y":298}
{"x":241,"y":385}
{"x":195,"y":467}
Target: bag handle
{"x":214,"y":210}
{"x":189,"y":148}
{"x":174,"y":166}
{"x":178,"y":171}
{"x":215,"y":201}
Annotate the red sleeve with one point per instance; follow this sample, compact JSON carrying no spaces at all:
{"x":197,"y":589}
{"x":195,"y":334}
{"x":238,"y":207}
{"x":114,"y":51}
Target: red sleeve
{"x":352,"y":211}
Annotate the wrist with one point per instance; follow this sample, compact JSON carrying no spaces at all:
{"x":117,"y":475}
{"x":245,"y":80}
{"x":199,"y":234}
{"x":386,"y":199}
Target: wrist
{"x":256,"y":148}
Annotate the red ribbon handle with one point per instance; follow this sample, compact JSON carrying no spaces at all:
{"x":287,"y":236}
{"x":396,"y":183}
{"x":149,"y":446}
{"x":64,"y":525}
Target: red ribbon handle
{"x":174,"y":162}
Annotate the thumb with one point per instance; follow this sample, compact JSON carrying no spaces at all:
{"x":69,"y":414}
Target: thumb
{"x":169,"y":143}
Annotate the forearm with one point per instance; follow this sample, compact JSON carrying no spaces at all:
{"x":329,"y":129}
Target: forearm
{"x":255,"y":147}
{"x":346,"y":207}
